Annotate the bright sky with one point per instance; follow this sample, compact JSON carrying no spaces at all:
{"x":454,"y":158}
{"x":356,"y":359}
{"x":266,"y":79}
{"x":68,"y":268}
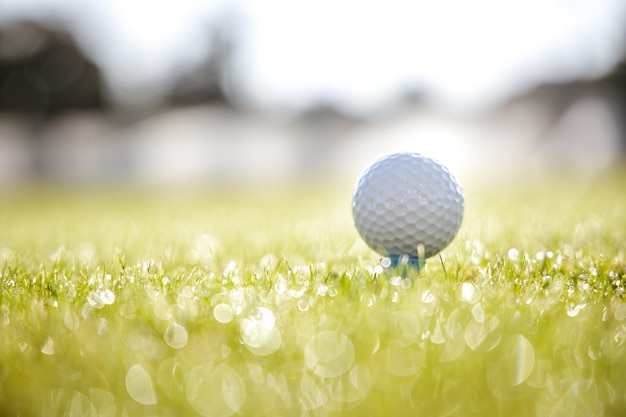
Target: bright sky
{"x":361,"y":56}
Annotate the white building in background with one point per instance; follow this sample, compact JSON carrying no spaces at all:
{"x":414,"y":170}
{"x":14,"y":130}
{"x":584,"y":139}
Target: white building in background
{"x":207,"y":144}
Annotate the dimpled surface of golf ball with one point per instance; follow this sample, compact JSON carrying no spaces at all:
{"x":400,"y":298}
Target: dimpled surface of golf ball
{"x":405,"y":200}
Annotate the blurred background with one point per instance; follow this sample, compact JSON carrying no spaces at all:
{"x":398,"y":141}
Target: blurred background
{"x":257,"y":91}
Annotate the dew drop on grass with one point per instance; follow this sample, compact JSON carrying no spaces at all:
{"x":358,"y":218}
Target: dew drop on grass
{"x":103,"y":327}
{"x":175,"y":336}
{"x":237,"y":300}
{"x":281,"y":286}
{"x":171,"y":376}
{"x":582,"y":398}
{"x":94,"y":300}
{"x":204,"y":249}
{"x":368,"y":299}
{"x":268,"y":261}
{"x":452,"y":350}
{"x":513,"y":254}
{"x":215,"y":391}
{"x":428,"y":297}
{"x":405,"y":328}
{"x":573,"y":309}
{"x":470,"y":292}
{"x":303,"y":304}
{"x":231,"y":269}
{"x":455,"y":331}
{"x":139,"y":385}
{"x":86,"y":253}
{"x":186,"y":303}
{"x":455,"y":324}
{"x":478,"y":313}
{"x":611,"y":344}
{"x":620,"y":312}
{"x":155,"y":293}
{"x":48,"y":347}
{"x":136,"y":333}
{"x":311,"y":394}
{"x":162,"y":310}
{"x":107,"y":296}
{"x":437,"y":336}
{"x":403,"y":361}
{"x":506,"y":375}
{"x":7,"y":254}
{"x":71,"y":291}
{"x":187,"y":291}
{"x":322,"y":290}
{"x":352,"y":387}
{"x":87,"y":311}
{"x":265,"y":316}
{"x":225,"y":351}
{"x":483,"y":336}
{"x":329,"y":354}
{"x":259,"y":333}
{"x":81,"y":405}
{"x":223,"y":313}
{"x":297,"y":292}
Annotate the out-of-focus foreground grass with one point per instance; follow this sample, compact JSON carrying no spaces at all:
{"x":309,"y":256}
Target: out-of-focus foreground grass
{"x":218,"y":303}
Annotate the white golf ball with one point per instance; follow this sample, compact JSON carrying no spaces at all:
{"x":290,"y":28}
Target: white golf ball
{"x":405,"y":201}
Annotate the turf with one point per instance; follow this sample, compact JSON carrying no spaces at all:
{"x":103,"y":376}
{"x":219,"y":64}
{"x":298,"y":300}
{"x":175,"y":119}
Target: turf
{"x":265,"y":302}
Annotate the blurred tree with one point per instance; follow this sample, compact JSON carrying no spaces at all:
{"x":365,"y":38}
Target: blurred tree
{"x":205,"y":83}
{"x":44,"y":73}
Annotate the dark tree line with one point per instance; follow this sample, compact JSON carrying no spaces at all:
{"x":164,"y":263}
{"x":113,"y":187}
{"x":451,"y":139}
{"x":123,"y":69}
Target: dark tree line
{"x":44,"y":73}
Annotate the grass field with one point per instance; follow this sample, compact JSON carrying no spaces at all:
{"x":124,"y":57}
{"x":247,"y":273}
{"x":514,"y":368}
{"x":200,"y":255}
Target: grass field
{"x":216,"y":303}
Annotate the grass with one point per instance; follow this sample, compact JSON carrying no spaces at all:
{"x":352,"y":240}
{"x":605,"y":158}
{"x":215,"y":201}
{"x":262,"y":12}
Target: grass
{"x":218,"y":303}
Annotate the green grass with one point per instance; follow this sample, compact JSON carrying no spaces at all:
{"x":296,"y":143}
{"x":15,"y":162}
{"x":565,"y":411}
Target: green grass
{"x":218,"y":303}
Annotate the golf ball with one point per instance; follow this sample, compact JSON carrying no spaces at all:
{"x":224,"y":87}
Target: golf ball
{"x":407,"y":201}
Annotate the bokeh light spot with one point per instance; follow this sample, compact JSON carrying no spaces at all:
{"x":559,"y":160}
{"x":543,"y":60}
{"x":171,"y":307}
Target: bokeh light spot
{"x":176,"y":336}
{"x":329,"y":354}
{"x":215,"y":391}
{"x":139,"y":385}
